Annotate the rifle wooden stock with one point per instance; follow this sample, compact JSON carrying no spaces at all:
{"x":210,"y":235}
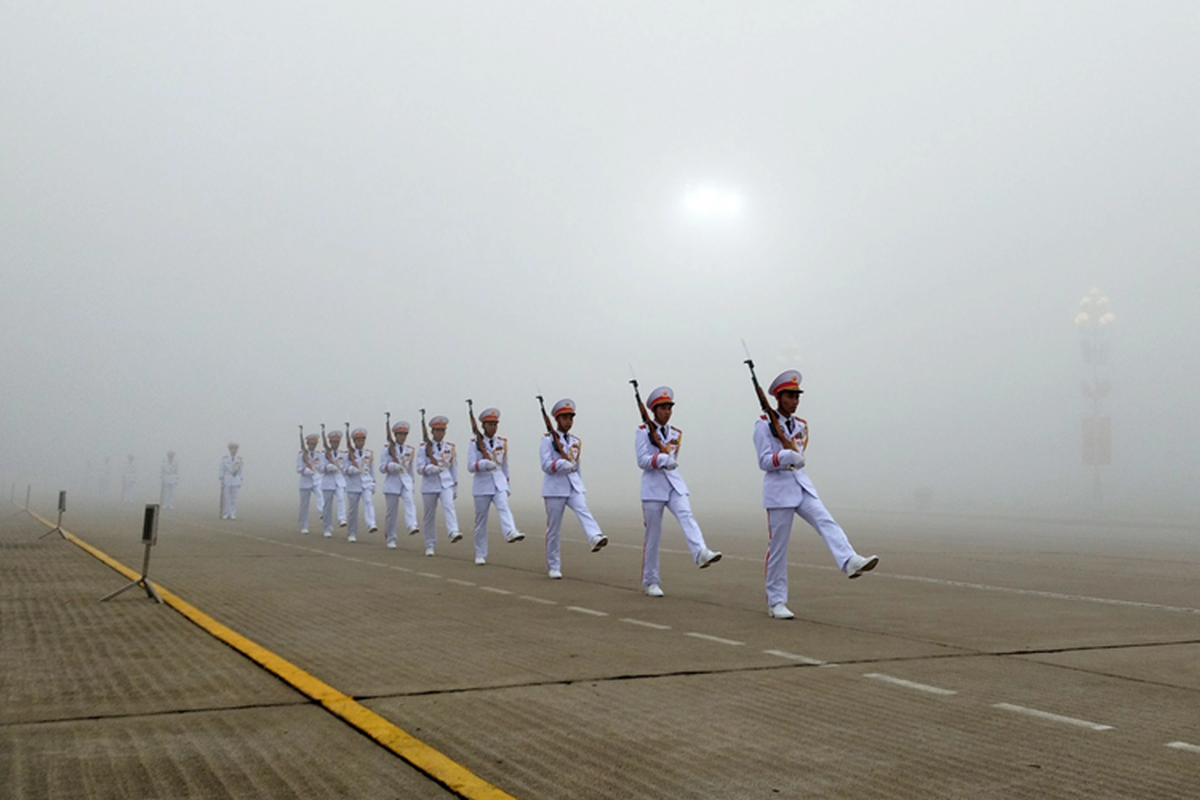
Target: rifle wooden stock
{"x":304,"y":449}
{"x":325,"y":444}
{"x":387,"y":423}
{"x":425,"y":438}
{"x":483,"y":451}
{"x":350,"y":448}
{"x":550,"y":429}
{"x":650,"y":426}
{"x":772,"y":414}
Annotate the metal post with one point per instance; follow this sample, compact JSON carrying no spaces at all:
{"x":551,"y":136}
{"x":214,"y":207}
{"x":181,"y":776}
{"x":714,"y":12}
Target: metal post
{"x":62,"y":506}
{"x":149,"y":537}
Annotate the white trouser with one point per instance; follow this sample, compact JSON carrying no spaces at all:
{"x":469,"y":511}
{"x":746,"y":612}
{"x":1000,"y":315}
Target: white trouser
{"x":652,"y":514}
{"x":429,"y":525}
{"x":327,"y":511}
{"x":368,"y":500}
{"x":391,"y":518}
{"x":166,"y":498}
{"x":555,"y":506}
{"x":229,"y":493}
{"x":507,"y":526}
{"x":341,"y":504}
{"x":305,"y":498}
{"x":779,"y":520}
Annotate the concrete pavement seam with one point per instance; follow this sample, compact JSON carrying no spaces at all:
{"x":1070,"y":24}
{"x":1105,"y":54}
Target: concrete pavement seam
{"x":433,"y":763}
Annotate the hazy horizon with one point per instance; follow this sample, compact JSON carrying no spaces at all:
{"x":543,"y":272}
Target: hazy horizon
{"x":226,"y":220}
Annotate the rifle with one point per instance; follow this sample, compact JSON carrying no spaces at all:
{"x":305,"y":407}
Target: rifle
{"x":550,"y":429}
{"x":651,"y":428}
{"x":304,"y":449}
{"x":483,"y":451}
{"x":391,"y":438}
{"x":350,"y":448}
{"x":425,"y":438}
{"x":325,"y":444}
{"x":772,"y":414}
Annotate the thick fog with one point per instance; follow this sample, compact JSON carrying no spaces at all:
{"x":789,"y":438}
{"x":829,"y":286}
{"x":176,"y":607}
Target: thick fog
{"x":223,"y":220}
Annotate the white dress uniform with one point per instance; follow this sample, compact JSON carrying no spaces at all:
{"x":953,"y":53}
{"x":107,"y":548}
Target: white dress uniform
{"x":169,"y":478}
{"x":397,"y":486}
{"x":308,"y":466}
{"x":663,"y":487}
{"x":562,"y":487}
{"x":231,"y":475}
{"x":439,"y":484}
{"x":330,"y":467}
{"x":340,"y":488}
{"x":788,"y":492}
{"x":490,"y":485}
{"x":358,"y":466}
{"x":128,"y":481}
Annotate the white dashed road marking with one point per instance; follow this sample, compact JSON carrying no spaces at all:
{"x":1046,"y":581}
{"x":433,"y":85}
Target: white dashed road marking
{"x":1033,"y":712}
{"x":645,"y":624}
{"x":532,"y":599}
{"x":428,"y":575}
{"x":1191,"y":748}
{"x":797,"y":657}
{"x":591,"y":611}
{"x":921,"y":687}
{"x":716,"y":639}
{"x":460,"y":583}
{"x":494,"y":590}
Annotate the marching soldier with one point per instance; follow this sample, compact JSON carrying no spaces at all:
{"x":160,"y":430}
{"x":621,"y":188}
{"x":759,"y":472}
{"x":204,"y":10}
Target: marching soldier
{"x":562,"y":486}
{"x":396,"y":465}
{"x":329,"y":465}
{"x":231,"y":475}
{"x":663,"y":487}
{"x":339,"y":477}
{"x":788,"y":492}
{"x":169,"y":478}
{"x":308,"y":465}
{"x":490,"y":484}
{"x":438,"y":464}
{"x":358,"y":467}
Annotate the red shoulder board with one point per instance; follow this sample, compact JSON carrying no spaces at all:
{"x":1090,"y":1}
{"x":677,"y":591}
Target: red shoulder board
{"x":764,"y":418}
{"x":641,"y":427}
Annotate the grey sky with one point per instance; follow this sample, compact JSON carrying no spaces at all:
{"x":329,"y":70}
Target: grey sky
{"x":224,"y":219}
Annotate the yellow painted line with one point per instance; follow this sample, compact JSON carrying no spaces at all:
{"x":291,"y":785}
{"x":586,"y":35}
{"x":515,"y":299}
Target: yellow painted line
{"x":436,"y":765}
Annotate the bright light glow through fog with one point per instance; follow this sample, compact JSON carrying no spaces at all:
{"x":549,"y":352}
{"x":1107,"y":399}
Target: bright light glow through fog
{"x":707,"y":201}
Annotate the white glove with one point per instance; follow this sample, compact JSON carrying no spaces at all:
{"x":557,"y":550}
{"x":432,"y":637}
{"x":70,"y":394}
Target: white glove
{"x":790,"y":458}
{"x":485,"y":465}
{"x":664,"y":461}
{"x":564,"y":466}
{"x":431,"y":469}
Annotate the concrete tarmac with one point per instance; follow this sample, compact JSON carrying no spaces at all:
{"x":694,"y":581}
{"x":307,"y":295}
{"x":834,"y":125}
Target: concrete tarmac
{"x":984,"y":658}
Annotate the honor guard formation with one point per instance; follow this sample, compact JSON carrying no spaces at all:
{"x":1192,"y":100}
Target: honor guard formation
{"x":346,"y":479}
